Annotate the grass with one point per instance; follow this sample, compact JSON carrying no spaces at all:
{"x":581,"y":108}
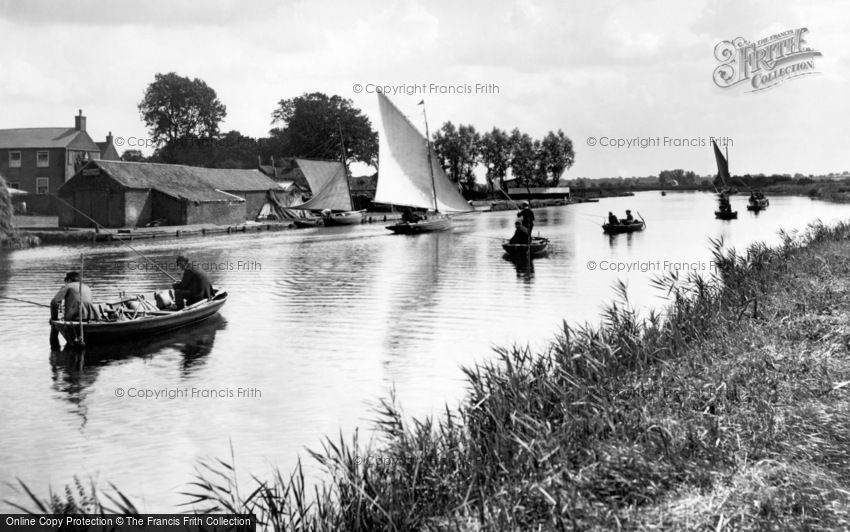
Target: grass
{"x":726,"y":411}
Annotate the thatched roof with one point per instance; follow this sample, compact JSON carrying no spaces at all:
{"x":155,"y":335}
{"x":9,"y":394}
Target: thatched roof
{"x":182,"y":182}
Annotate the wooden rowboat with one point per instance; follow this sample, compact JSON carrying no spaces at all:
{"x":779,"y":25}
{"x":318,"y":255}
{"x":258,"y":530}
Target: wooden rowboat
{"x":344,"y":218}
{"x":539,"y":246}
{"x":615,"y":229}
{"x":136,"y":319}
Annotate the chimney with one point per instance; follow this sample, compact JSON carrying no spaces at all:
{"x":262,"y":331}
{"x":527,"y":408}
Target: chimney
{"x":109,"y":139}
{"x":80,"y":122}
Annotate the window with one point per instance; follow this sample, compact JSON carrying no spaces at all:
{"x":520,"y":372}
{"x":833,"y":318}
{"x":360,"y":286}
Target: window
{"x":42,"y":185}
{"x":42,"y":159}
{"x":14,"y":159}
{"x":15,"y":185}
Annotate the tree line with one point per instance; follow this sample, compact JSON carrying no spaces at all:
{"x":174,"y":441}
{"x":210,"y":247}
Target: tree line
{"x":183,"y":117}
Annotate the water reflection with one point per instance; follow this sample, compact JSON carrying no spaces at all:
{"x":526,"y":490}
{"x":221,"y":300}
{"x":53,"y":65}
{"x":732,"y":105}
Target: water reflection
{"x":524,"y":267}
{"x":75,"y":370}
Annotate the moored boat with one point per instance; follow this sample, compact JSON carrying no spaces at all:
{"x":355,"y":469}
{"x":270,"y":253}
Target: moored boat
{"x":411,"y":177}
{"x":331,"y":195}
{"x":539,"y":246}
{"x":138,"y":318}
{"x":343,"y":218}
{"x":614,"y":229}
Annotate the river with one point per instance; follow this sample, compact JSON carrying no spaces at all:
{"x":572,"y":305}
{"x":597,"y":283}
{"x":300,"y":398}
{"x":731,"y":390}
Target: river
{"x":320,"y":324}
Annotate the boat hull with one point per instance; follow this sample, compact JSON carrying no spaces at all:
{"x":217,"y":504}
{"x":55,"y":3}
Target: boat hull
{"x":425,"y":226}
{"x":344,"y":218}
{"x":758,"y":205}
{"x":105,"y":332}
{"x":726,"y":215}
{"x":615,"y":229}
{"x":539,"y":246}
{"x":304,"y":223}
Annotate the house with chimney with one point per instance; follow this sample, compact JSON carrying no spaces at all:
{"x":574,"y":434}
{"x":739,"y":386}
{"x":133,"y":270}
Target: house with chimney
{"x":40,"y":160}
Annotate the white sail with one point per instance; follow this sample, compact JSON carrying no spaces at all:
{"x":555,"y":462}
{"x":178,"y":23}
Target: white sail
{"x":403,"y":175}
{"x":327,"y":181}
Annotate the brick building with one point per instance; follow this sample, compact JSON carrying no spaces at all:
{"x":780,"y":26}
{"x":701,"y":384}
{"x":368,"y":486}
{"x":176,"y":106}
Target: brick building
{"x":40,"y":160}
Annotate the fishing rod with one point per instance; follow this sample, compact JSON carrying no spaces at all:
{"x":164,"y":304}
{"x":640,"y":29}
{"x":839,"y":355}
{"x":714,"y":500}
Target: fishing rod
{"x":115,"y":235}
{"x":25,"y":301}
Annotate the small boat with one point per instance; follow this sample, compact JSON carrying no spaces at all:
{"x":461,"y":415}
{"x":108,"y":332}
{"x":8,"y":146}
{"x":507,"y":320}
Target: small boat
{"x":411,"y":177}
{"x":306,"y":222}
{"x":725,"y":212}
{"x":663,"y":192}
{"x":757,"y":203}
{"x":331,"y":195}
{"x":539,"y":246}
{"x":431,"y":225}
{"x":138,"y":318}
{"x":615,"y":229}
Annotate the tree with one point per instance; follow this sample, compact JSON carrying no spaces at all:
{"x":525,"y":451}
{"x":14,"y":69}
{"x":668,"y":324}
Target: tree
{"x":523,"y":157}
{"x":177,"y":108}
{"x":311,"y":124}
{"x":555,"y":155}
{"x":458,"y":150}
{"x":495,"y":152}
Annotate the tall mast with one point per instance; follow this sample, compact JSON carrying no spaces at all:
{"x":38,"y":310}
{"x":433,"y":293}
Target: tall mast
{"x":345,"y":166}
{"x":430,"y":163}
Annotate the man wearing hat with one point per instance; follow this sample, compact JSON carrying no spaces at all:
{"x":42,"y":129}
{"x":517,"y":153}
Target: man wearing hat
{"x":193,"y":287}
{"x":74,"y":297}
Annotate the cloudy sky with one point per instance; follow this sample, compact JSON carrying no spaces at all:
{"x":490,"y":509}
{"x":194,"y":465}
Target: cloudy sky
{"x":601,"y":69}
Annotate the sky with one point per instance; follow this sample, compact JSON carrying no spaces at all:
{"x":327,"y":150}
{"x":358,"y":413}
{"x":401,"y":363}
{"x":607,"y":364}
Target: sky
{"x":603,"y":72}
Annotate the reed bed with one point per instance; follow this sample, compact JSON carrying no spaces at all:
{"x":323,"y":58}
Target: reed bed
{"x":726,"y":411}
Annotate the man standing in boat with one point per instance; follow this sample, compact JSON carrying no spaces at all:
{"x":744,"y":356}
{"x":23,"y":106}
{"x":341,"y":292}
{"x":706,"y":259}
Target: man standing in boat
{"x":527,"y":216}
{"x":193,"y":287}
{"x":74,"y":297}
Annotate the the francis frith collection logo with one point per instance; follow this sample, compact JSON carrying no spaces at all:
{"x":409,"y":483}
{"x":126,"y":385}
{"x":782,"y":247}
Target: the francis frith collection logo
{"x":765,"y":63}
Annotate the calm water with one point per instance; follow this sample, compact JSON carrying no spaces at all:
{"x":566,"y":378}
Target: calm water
{"x":321,"y":324}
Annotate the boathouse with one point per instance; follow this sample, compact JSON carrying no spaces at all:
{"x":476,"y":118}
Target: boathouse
{"x":135,"y":194}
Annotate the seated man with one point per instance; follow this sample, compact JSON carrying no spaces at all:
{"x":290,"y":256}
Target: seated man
{"x":520,"y":234}
{"x":193,"y":287}
{"x":612,"y":219}
{"x":629,"y":219}
{"x":409,"y":216}
{"x":74,"y":297}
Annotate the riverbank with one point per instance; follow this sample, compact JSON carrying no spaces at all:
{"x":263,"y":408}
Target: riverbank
{"x":45,"y":230}
{"x":730,"y":413}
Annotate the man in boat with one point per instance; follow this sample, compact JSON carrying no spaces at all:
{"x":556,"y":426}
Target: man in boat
{"x":74,"y":297}
{"x":725,"y":206}
{"x":527,"y":216}
{"x":193,"y":287}
{"x":409,"y":216}
{"x":521,"y":235}
{"x":612,"y":219}
{"x":629,"y":219}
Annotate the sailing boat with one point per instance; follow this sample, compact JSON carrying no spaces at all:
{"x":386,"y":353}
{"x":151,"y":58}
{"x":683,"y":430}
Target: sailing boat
{"x":332,"y":194}
{"x":725,"y":211}
{"x":409,"y":176}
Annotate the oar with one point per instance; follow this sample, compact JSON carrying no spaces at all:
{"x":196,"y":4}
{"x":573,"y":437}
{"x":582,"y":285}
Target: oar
{"x":641,"y":219}
{"x":81,"y":341}
{"x":25,"y":301}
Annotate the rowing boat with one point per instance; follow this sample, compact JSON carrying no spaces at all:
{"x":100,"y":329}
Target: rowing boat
{"x":539,"y":246}
{"x":614,"y":229}
{"x":136,"y":318}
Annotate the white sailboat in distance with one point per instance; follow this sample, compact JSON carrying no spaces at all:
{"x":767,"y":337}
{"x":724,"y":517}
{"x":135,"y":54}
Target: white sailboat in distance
{"x":408,"y":175}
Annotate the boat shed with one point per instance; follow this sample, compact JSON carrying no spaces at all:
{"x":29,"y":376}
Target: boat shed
{"x":136,"y":194}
